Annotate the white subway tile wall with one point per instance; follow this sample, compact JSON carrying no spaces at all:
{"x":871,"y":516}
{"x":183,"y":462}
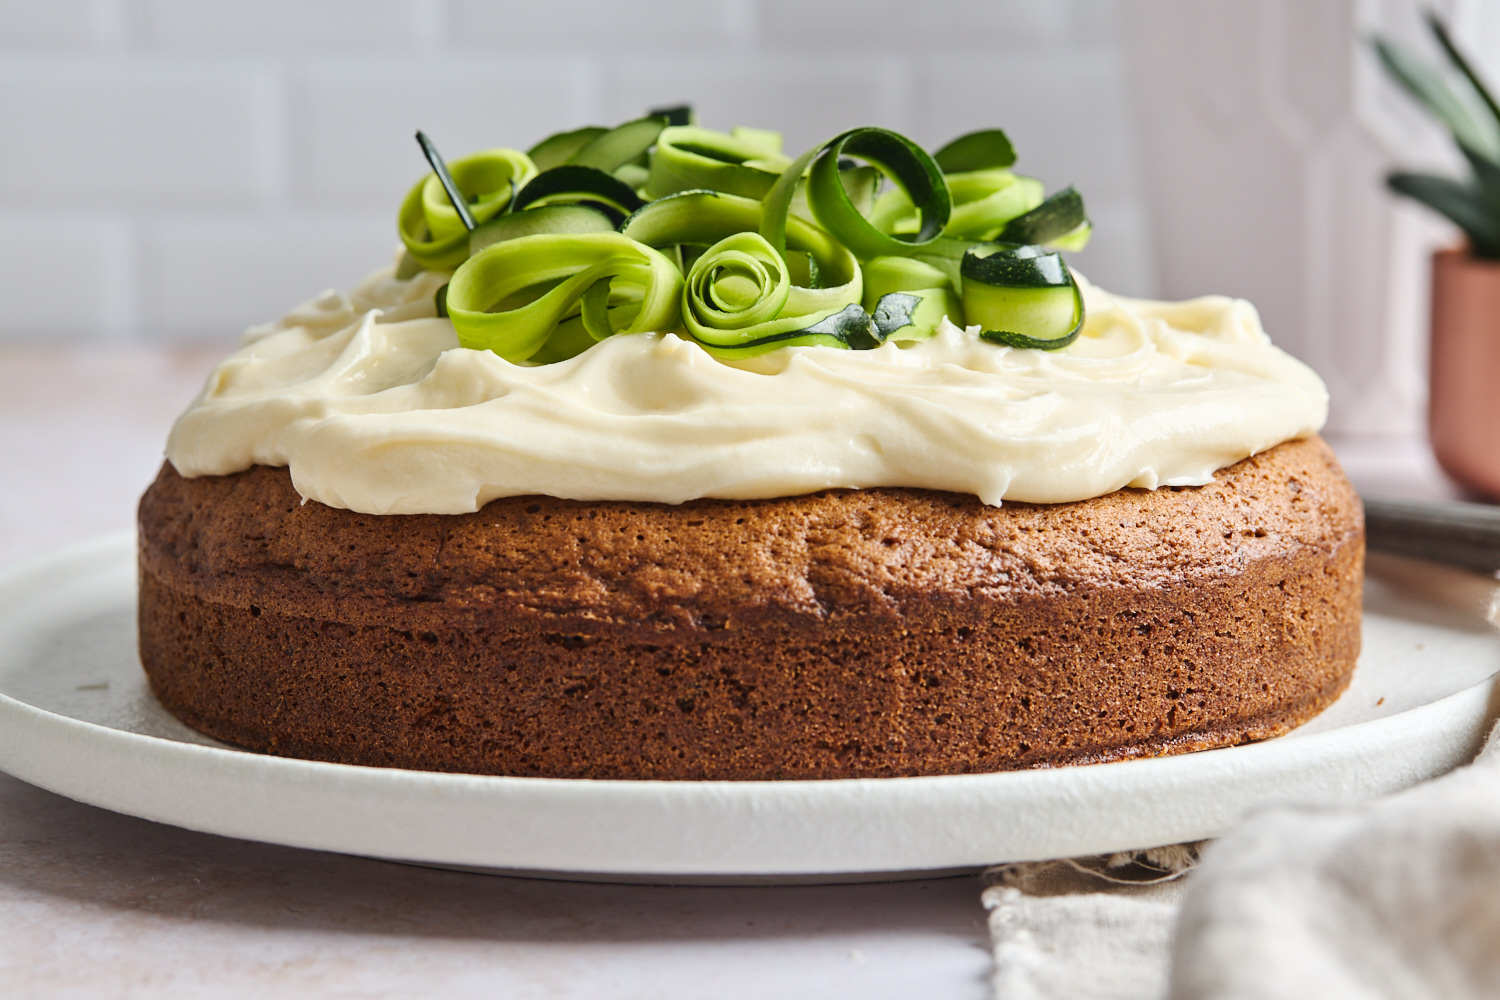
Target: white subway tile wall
{"x":80,"y":25}
{"x":173,"y":170}
{"x":305,"y":26}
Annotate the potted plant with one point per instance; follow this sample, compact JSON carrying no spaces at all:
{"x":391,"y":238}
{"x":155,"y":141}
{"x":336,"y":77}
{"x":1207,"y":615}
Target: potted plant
{"x":1464,"y":376}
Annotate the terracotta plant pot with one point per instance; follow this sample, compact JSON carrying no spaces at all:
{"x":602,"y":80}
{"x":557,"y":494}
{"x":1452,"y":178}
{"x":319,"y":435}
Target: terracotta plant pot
{"x":1464,"y":406}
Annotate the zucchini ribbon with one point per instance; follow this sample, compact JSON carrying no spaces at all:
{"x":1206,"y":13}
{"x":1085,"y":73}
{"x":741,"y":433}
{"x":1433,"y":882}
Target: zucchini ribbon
{"x":1021,"y":296}
{"x":434,"y":233}
{"x":660,"y":225}
{"x":742,"y":295}
{"x":563,"y":292}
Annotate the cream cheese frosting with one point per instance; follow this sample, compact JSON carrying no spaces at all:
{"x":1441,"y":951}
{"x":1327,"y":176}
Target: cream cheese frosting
{"x":373,"y":405}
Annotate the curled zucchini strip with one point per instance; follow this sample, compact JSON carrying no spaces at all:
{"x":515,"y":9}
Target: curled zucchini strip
{"x":620,"y":145}
{"x":688,"y":158}
{"x":738,"y":302}
{"x":543,"y":219}
{"x":742,"y":296}
{"x":434,"y":234}
{"x":1021,"y":296}
{"x":558,"y":148}
{"x":736,"y":288}
{"x":906,"y":164}
{"x":621,"y":151}
{"x":927,"y":295}
{"x":984,"y":202}
{"x":514,"y":296}
{"x":987,"y":149}
{"x":909,"y":298}
{"x":1059,"y":218}
{"x":986,"y":194}
{"x":573,"y":184}
{"x":824,"y":274}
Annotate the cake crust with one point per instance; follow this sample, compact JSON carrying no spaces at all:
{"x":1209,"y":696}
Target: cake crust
{"x":847,"y":633}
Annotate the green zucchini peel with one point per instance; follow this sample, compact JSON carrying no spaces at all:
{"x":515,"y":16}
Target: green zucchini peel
{"x":984,"y":150}
{"x":620,"y":145}
{"x":1021,"y":296}
{"x":675,"y":114}
{"x":1059,"y":217}
{"x":558,"y":148}
{"x":688,"y":157}
{"x":904,"y":163}
{"x":930,"y":290}
{"x":572,"y":184}
{"x":984,"y":202}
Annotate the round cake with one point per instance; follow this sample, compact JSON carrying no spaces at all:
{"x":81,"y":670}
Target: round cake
{"x":661,"y":455}
{"x":868,"y":633}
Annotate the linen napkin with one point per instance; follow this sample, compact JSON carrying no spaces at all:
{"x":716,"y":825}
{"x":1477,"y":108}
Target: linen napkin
{"x":1089,"y":928}
{"x":1395,"y":898}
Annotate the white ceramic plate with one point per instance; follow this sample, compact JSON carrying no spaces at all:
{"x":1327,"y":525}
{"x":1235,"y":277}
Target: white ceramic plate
{"x":76,"y":717}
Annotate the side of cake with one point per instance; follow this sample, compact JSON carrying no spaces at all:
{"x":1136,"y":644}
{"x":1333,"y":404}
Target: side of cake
{"x":841,"y":634}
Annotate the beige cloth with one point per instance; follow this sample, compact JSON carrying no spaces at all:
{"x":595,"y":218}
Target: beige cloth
{"x":1086,"y":929}
{"x":1397,"y":898}
{"x":1392,"y":899}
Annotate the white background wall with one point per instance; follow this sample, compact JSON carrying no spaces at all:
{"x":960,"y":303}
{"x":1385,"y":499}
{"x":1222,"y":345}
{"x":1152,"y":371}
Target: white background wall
{"x":183,"y":168}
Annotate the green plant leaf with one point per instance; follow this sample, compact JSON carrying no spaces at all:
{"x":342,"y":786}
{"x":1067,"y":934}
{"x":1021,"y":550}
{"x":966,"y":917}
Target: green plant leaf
{"x":1459,"y":202}
{"x":1059,"y":215}
{"x":1440,"y":32}
{"x":1486,"y":176}
{"x":1430,"y":90}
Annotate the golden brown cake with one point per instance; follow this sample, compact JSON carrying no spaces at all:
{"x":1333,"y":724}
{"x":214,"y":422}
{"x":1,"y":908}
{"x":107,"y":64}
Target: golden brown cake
{"x":660,"y":453}
{"x":845,"y":633}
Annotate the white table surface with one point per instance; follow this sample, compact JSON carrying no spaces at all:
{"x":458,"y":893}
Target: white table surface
{"x":95,"y":904}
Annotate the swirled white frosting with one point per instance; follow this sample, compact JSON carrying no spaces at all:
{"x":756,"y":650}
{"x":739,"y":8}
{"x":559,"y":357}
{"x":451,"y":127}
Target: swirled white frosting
{"x":374,"y":407}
